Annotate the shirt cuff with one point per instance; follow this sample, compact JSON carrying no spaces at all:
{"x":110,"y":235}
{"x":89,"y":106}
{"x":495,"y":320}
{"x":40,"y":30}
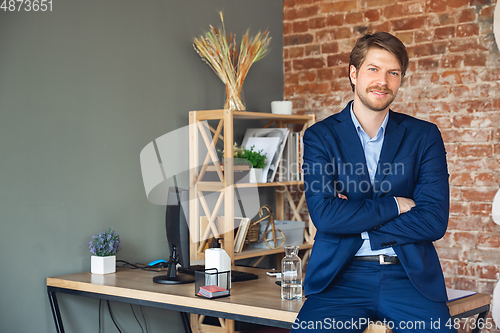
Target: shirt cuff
{"x":399,"y":212}
{"x":364,"y":235}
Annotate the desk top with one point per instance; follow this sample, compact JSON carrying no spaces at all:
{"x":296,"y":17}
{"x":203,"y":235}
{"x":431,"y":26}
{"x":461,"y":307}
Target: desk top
{"x":468,"y":303}
{"x":255,"y":298}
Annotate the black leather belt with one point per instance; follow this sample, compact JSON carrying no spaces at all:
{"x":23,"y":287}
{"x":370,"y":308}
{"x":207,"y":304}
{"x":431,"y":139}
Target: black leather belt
{"x":381,"y":259}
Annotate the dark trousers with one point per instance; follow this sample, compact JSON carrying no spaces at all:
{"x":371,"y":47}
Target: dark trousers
{"x":366,"y":292}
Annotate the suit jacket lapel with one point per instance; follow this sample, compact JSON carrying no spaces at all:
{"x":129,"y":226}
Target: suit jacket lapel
{"x":350,"y":141}
{"x":393,"y":137}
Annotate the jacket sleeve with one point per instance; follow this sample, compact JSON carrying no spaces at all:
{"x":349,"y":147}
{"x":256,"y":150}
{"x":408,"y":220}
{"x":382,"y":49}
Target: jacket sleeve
{"x":330,"y":214}
{"x":428,"y":220}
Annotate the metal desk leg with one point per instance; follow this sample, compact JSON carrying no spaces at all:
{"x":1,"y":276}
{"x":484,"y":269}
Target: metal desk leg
{"x":186,"y":322}
{"x":481,"y":320}
{"x":55,"y":311}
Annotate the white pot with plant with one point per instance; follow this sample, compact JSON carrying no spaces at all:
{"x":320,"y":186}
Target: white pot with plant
{"x":104,"y":247}
{"x":258,"y":161}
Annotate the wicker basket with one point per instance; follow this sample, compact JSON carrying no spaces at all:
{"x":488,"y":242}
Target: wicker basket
{"x":253,"y":233}
{"x":254,"y":230}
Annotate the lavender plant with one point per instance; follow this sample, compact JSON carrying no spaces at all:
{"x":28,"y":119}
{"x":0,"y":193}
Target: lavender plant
{"x":105,"y":244}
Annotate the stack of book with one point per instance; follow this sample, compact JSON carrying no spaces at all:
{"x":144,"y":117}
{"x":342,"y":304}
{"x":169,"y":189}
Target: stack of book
{"x":212,"y":291}
{"x":291,"y":160}
{"x":284,"y":150}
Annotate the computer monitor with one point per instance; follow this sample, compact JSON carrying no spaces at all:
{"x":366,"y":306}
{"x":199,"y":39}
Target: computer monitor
{"x":176,"y":224}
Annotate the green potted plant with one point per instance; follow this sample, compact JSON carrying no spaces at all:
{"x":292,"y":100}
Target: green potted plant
{"x":258,"y":161}
{"x":104,"y":247}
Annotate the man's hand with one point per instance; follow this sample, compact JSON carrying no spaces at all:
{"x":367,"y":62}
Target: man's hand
{"x":405,"y":204}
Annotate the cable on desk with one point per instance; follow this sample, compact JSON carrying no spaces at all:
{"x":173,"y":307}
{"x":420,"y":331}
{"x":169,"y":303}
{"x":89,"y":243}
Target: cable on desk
{"x":133,"y":311}
{"x":100,"y":302}
{"x":132,"y":307}
{"x":145,"y":267}
{"x":126,"y":264}
{"x":144,"y":318}
{"x":113,"y":318}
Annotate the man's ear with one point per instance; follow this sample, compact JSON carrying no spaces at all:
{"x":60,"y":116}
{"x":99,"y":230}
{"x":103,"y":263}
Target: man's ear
{"x":352,"y":74}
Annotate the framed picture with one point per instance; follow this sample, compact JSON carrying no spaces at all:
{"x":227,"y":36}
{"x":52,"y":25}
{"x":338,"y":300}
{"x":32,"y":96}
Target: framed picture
{"x":274,"y":160}
{"x":241,"y":234}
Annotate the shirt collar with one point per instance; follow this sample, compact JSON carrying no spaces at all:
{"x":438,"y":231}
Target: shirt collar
{"x":360,"y":128}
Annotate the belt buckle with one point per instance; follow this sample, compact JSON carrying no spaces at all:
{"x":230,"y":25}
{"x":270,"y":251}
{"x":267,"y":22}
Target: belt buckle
{"x":382,"y":261}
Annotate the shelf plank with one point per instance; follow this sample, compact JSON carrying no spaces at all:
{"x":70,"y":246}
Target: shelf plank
{"x":252,"y":253}
{"x":207,"y":115}
{"x":209,"y":186}
{"x":286,"y":118}
{"x":218,"y":186}
{"x":290,"y":118}
{"x":277,"y":184}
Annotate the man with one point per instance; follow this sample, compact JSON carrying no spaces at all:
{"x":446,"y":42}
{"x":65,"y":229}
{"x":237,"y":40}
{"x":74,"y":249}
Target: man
{"x":377,"y":191}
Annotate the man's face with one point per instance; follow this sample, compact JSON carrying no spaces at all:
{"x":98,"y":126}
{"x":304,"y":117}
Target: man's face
{"x":378,"y":79}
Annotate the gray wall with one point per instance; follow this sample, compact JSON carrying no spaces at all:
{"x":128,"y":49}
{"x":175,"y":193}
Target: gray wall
{"x":82,"y":90}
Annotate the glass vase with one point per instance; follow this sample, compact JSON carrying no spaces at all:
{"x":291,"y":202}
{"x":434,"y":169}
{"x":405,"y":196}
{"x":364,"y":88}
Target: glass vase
{"x":235,"y":99}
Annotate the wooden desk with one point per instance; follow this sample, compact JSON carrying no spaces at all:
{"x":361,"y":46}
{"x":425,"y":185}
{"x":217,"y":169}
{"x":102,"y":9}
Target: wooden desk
{"x":257,"y":301}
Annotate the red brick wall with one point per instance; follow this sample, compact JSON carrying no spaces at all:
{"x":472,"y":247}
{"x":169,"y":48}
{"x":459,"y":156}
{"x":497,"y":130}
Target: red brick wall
{"x":452,"y":81}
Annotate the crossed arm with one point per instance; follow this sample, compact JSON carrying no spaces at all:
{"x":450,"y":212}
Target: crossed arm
{"x":422,"y":218}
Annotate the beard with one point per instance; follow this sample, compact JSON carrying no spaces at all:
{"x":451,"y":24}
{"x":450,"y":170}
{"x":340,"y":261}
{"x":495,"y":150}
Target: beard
{"x":376,"y":105}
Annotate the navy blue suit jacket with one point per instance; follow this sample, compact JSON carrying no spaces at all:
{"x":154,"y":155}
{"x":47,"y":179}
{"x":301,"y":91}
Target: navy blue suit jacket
{"x":412,"y":164}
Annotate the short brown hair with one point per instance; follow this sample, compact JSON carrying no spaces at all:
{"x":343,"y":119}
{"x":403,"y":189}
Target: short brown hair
{"x":383,"y":40}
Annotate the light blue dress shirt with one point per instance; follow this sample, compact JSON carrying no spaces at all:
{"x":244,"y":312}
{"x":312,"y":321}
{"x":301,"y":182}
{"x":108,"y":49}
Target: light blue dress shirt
{"x":372,"y":148}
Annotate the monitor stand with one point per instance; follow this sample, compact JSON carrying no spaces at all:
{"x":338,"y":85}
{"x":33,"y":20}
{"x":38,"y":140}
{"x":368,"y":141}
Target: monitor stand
{"x":173,"y":277}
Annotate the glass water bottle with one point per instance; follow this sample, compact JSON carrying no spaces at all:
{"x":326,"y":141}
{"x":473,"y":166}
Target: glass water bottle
{"x":291,"y":274}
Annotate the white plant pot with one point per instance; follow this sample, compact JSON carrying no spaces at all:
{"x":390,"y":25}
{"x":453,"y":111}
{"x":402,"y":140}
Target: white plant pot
{"x":255,"y":175}
{"x":103,"y":265}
